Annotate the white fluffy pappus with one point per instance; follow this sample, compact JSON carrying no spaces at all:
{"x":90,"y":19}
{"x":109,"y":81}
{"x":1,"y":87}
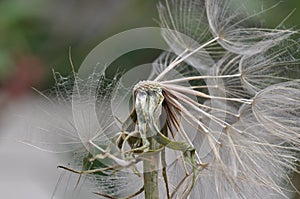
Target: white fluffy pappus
{"x":231,"y":93}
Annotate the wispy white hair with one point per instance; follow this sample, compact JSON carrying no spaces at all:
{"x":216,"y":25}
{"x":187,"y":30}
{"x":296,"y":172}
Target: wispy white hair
{"x":235,"y":90}
{"x":259,"y":141}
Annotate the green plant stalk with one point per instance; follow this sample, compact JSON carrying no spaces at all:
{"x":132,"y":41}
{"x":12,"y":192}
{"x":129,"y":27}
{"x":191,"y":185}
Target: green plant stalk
{"x":150,"y":165}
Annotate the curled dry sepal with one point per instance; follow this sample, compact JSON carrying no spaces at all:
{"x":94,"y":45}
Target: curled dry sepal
{"x":230,"y":96}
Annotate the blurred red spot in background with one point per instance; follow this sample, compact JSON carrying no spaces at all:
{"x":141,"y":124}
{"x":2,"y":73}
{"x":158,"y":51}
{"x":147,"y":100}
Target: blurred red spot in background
{"x":29,"y":71}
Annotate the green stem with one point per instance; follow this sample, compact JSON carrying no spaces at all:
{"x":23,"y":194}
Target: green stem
{"x":150,"y":165}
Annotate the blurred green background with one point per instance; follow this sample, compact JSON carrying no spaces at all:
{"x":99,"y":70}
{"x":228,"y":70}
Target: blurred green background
{"x":35,"y":35}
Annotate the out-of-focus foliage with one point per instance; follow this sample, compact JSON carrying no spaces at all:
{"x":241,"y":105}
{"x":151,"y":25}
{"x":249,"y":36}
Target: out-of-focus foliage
{"x":20,"y":31}
{"x":44,"y":30}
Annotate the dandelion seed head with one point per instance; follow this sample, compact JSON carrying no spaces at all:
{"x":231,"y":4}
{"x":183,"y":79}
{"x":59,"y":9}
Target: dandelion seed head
{"x":222,"y":105}
{"x":248,"y":137}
